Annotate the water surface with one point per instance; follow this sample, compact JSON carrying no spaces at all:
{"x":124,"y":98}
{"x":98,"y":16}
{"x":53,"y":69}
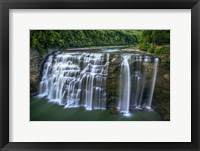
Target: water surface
{"x":43,"y":110}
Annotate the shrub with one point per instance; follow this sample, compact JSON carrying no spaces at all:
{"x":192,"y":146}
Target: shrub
{"x":150,"y":48}
{"x":162,"y":50}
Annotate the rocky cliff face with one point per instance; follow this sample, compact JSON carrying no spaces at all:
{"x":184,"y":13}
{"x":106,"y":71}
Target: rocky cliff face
{"x":162,"y":90}
{"x":35,"y":65}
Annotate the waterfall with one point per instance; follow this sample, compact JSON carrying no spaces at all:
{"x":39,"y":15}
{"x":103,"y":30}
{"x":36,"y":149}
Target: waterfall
{"x":76,"y":79}
{"x":125,"y":85}
{"x":153,"y":83}
{"x":133,"y":81}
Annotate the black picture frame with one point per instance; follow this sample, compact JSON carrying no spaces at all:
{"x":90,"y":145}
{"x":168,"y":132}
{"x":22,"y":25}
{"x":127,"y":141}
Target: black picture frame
{"x":5,"y":5}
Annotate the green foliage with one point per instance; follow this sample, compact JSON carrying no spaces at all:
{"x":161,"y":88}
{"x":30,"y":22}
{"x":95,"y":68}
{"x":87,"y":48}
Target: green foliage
{"x":147,"y":40}
{"x":158,"y":37}
{"x":154,"y":41}
{"x":150,"y":48}
{"x":43,"y":39}
{"x":162,"y":49}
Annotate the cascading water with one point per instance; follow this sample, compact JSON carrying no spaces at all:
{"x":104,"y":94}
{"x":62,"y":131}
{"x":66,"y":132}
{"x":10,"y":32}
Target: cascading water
{"x":153,"y":83}
{"x":137,"y":82}
{"x":77,"y":79}
{"x":125,"y":85}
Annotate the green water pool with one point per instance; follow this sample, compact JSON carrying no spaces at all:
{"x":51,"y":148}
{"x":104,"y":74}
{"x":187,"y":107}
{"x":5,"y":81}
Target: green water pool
{"x":43,"y":110}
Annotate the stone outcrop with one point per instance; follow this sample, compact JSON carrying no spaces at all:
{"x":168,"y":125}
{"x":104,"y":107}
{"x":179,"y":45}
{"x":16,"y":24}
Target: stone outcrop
{"x":35,"y":64}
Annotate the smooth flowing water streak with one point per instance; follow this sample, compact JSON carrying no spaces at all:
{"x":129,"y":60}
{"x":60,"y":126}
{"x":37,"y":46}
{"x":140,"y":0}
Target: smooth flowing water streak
{"x":75,"y":79}
{"x":137,"y":82}
{"x":125,"y":85}
{"x":153,"y":83}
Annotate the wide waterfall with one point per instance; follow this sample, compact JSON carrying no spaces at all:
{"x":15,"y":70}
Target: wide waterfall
{"x":75,"y":79}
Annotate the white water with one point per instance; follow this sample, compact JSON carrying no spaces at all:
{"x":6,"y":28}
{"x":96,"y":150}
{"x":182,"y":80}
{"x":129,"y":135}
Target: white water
{"x":153,"y":83}
{"x":75,"y":79}
{"x":125,"y":85}
{"x":134,"y":82}
{"x":79,"y":79}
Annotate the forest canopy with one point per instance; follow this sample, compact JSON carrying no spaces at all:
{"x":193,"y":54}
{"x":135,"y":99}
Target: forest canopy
{"x":42,"y":39}
{"x":147,"y":40}
{"x":154,"y":41}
